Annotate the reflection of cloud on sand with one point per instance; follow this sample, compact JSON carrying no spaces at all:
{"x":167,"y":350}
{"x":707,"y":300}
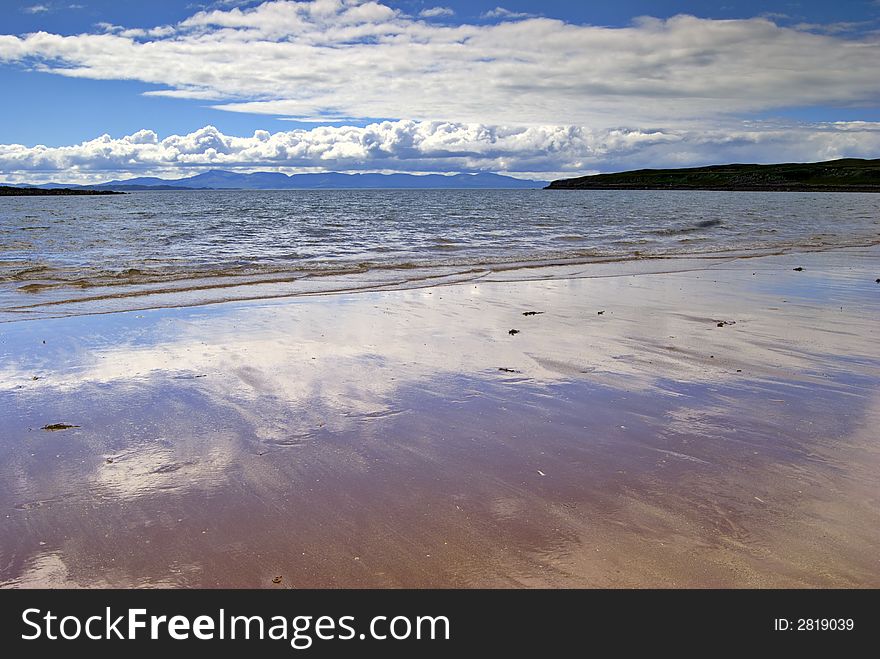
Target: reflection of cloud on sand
{"x":44,"y":570}
{"x":49,"y":570}
{"x":147,"y":469}
{"x":252,"y":438}
{"x":290,"y":368}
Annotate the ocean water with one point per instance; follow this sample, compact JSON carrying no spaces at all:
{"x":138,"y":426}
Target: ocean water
{"x":61,"y":255}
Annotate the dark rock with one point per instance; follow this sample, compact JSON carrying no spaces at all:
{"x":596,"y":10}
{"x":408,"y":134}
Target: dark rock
{"x":513,"y":331}
{"x":58,"y":426}
{"x":798,"y":269}
{"x":532,"y":313}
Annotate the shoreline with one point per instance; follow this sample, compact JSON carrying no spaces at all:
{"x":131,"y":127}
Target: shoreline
{"x":286,"y":284}
{"x":711,"y":427}
{"x":13,"y":191}
{"x":722,"y":188}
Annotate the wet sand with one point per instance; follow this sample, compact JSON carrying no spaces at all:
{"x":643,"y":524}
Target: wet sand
{"x":407,"y":439}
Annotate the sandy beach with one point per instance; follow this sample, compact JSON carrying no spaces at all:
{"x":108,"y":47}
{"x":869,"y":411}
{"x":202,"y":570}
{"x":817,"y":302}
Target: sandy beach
{"x":701,"y":423}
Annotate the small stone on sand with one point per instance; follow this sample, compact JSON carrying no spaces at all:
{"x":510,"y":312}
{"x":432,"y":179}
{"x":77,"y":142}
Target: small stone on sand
{"x":58,"y":426}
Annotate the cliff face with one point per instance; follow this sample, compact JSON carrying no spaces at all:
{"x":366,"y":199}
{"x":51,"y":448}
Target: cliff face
{"x":847,"y":175}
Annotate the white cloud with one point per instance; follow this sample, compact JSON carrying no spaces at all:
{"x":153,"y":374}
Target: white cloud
{"x":532,"y":96}
{"x":543,"y":152}
{"x":835,"y":28}
{"x":47,"y":8}
{"x":363,"y":59}
{"x":436,"y":12}
{"x":220,"y":4}
{"x":501,"y":12}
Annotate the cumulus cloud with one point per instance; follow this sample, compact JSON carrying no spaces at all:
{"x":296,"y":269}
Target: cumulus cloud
{"x":435,"y":12}
{"x":542,"y":152}
{"x":36,"y":9}
{"x":523,"y":95}
{"x":366,"y":60}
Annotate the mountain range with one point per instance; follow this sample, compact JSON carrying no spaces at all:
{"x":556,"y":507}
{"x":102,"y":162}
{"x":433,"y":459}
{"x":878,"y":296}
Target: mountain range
{"x":222,"y":180}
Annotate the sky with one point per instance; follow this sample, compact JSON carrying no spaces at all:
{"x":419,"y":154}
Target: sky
{"x":108,"y":89}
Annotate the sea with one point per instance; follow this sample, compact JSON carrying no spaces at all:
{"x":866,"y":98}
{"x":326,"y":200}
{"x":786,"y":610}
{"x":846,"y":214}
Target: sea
{"x":91,"y":254}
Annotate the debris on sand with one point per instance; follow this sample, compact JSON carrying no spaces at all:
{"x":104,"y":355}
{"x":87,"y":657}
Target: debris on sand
{"x":877,"y":281}
{"x":276,"y":579}
{"x":513,"y":332}
{"x":798,"y":269}
{"x":508,"y":370}
{"x":532,"y":313}
{"x":109,"y":461}
{"x":600,"y":313}
{"x":725,"y":323}
{"x":57,"y":426}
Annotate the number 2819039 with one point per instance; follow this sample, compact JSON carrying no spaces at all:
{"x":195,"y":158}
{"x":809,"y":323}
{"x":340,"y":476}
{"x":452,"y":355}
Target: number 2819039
{"x":814,"y":624}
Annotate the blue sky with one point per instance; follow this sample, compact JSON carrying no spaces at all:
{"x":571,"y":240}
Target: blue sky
{"x":356,"y":85}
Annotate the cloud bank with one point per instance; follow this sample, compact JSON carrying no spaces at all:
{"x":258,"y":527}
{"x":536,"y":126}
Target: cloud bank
{"x":362,"y":59}
{"x":516,"y":94}
{"x":540,"y":152}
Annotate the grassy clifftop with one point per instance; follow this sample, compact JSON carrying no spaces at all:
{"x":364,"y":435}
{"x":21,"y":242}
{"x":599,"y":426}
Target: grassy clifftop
{"x":846,"y":175}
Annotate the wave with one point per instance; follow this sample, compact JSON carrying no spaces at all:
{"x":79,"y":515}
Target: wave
{"x":52,"y":292}
{"x":699,"y":226}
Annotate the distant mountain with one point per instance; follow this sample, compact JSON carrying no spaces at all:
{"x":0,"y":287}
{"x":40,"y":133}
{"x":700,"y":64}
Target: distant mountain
{"x":221,"y":180}
{"x":134,"y":188}
{"x":845,"y":175}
